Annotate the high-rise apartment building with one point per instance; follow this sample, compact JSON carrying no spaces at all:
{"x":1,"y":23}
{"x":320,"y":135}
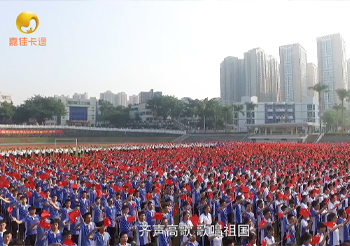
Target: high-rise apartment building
{"x":5,"y":98}
{"x":134,"y":99}
{"x":311,"y":79}
{"x":348,"y":68}
{"x":261,"y":76}
{"x":84,"y":96}
{"x":108,"y":96}
{"x":232,"y":86}
{"x":332,"y":67}
{"x":255,"y":73}
{"x":273,"y":80}
{"x":293,"y":60}
{"x":121,"y":99}
{"x":145,"y":96}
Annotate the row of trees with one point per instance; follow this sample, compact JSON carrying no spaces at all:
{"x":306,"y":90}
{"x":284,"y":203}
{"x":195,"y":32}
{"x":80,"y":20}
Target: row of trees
{"x":331,"y":117}
{"x":206,"y":113}
{"x":37,"y":107}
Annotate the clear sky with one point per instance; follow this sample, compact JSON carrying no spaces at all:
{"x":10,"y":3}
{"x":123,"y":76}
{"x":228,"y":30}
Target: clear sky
{"x":170,"y":46}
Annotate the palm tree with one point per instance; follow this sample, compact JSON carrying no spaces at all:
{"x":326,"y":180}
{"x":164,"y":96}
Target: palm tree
{"x":237,"y":109}
{"x":319,"y":88}
{"x":342,"y":94}
{"x":337,"y":108}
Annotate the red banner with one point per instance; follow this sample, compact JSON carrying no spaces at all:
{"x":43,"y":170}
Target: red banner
{"x":15,"y":132}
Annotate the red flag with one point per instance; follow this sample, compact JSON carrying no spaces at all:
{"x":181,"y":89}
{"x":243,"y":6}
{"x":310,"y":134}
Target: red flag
{"x":116,"y":188}
{"x":330,"y":224}
{"x":280,"y":215}
{"x":107,"y":222}
{"x":288,"y":236}
{"x":148,"y":196}
{"x":305,"y":212}
{"x":158,"y":216}
{"x":316,"y":239}
{"x":45,"y":214}
{"x":74,"y":186}
{"x":4,"y":184}
{"x":44,"y":225}
{"x":68,"y":242}
{"x":29,"y":194}
{"x":264,"y":243}
{"x":195,"y":220}
{"x":73,"y":216}
{"x":99,"y":193}
{"x":9,"y":209}
{"x":245,"y":189}
{"x":169,"y":182}
{"x":347,"y":210}
{"x":43,"y":194}
{"x":188,"y":188}
{"x":269,"y":196}
{"x":273,"y":188}
{"x":262,"y":223}
{"x":131,"y":219}
{"x":131,"y":190}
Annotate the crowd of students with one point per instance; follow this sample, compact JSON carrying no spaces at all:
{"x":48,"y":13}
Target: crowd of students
{"x":177,"y":194}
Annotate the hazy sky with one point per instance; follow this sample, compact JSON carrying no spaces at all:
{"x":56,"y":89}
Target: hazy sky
{"x":170,"y":46}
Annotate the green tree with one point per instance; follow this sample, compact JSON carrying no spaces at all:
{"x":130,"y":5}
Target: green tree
{"x":117,"y":116}
{"x":342,"y":94}
{"x":337,"y":108}
{"x":329,"y":117}
{"x":7,"y":110}
{"x":319,"y":88}
{"x":39,"y":108}
{"x":237,"y":109}
{"x":120,"y":116}
{"x":107,"y":111}
{"x":227,"y":112}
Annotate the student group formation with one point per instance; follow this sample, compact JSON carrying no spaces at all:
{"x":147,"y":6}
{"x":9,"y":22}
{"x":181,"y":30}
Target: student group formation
{"x":208,"y":194}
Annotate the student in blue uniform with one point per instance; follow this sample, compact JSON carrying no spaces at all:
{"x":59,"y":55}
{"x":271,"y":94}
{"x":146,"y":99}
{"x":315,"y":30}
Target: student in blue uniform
{"x":163,"y":239}
{"x":192,"y":239}
{"x":306,"y":239}
{"x":67,"y":236}
{"x":124,"y":239}
{"x":30,"y":222}
{"x":85,"y":228}
{"x":110,"y":212}
{"x":54,"y":236}
{"x":344,"y":230}
{"x":141,"y":229}
{"x":100,"y":236}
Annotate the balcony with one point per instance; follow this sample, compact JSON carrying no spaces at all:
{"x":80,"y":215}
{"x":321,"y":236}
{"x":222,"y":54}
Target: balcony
{"x":290,"y":110}
{"x":269,"y":110}
{"x":270,"y":117}
{"x":291,"y":117}
{"x":280,"y":110}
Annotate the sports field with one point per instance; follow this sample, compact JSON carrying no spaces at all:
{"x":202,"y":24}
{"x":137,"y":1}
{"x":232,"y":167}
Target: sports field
{"x":6,"y":143}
